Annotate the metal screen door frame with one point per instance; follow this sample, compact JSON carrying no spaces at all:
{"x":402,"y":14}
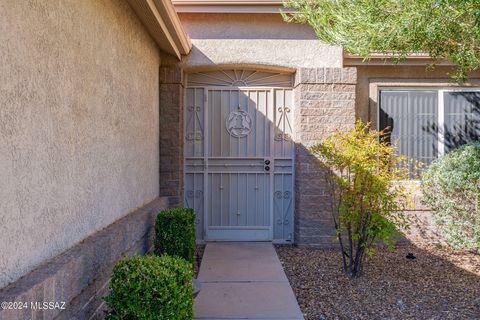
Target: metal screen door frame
{"x":250,"y":233}
{"x":244,"y":236}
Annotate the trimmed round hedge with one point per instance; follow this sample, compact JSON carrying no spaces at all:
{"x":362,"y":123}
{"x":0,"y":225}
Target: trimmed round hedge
{"x":149,"y":288}
{"x":175,"y":233}
{"x":451,"y":188}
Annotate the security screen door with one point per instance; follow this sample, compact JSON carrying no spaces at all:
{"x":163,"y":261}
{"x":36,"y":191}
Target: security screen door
{"x":239,"y":162}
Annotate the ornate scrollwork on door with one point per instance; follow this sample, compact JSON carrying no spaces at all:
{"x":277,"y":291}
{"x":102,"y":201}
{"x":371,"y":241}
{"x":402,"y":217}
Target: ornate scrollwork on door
{"x":194,"y":193}
{"x":279,"y":194}
{"x":197,"y":135}
{"x":285,"y":197}
{"x":195,"y":116}
{"x":279,"y":134}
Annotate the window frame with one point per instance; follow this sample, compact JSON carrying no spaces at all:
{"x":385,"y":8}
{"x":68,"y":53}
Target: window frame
{"x":440,"y":90}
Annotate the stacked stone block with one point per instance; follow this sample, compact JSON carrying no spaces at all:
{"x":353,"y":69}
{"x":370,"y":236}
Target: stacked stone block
{"x":324,"y":101}
{"x":78,"y":279}
{"x":171,"y":134}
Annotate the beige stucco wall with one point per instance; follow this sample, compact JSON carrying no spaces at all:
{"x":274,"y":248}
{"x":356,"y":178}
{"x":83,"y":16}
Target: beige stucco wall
{"x":78,"y":124}
{"x":254,"y":39}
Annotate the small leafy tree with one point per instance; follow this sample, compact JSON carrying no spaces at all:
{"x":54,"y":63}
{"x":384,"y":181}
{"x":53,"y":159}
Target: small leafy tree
{"x":443,"y":29}
{"x":451,"y":188}
{"x":368,"y":201}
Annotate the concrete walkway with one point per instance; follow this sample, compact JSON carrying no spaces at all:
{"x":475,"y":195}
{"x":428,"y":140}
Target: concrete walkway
{"x":244,"y":281}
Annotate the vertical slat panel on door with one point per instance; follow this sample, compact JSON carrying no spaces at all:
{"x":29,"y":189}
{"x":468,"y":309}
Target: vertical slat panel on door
{"x":238,"y":152}
{"x":238,"y":186}
{"x":260,"y":123}
{"x":194,"y":148}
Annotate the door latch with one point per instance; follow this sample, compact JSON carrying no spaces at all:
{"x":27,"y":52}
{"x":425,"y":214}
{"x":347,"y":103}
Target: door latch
{"x":267,"y":165}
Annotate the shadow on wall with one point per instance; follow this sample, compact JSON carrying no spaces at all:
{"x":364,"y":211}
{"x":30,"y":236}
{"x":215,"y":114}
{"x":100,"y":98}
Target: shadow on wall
{"x":313,"y":223}
{"x":244,"y":131}
{"x":313,"y":202}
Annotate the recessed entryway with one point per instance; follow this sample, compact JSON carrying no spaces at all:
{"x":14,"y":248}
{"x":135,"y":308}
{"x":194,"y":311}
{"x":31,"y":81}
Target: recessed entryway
{"x":239,"y":155}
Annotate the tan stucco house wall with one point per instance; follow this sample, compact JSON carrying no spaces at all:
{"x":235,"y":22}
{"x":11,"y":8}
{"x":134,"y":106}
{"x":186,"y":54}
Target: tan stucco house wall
{"x":79,"y":145}
{"x":94,"y":102}
{"x":254,"y":39}
{"x":78,"y":125}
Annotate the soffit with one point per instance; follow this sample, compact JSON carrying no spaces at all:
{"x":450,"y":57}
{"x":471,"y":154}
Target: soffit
{"x":229,"y":6}
{"x":163,"y":24}
{"x":379,"y":59}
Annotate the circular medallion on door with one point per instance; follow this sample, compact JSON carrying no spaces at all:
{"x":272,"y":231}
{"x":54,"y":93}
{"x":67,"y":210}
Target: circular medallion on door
{"x":238,"y":124}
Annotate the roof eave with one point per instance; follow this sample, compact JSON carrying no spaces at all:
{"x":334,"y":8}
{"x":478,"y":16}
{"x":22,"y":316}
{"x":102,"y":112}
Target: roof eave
{"x":225,"y":6}
{"x":415,"y":59}
{"x":164,"y":26}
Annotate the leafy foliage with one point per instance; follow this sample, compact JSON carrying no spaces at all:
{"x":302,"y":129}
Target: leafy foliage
{"x":451,"y":188}
{"x":363,"y":175}
{"x":444,"y":29}
{"x":150,"y":288}
{"x":175,"y":233}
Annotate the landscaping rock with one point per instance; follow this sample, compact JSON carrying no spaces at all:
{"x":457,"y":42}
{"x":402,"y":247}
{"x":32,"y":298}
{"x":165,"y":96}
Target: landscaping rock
{"x":439,"y":284}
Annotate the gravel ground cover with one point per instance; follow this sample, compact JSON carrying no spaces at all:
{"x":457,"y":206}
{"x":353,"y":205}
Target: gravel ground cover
{"x":439,"y":284}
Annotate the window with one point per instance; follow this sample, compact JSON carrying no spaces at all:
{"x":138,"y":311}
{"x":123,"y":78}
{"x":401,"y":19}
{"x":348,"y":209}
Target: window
{"x":425,"y":124}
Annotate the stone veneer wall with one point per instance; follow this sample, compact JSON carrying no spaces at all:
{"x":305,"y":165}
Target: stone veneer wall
{"x":171,"y":134}
{"x":79,"y":277}
{"x":324,"y":101}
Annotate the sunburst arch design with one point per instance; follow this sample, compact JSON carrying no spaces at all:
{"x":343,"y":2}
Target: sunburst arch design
{"x":239,"y":78}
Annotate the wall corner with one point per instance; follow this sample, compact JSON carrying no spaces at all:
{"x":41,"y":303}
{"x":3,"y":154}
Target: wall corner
{"x":171,"y":134}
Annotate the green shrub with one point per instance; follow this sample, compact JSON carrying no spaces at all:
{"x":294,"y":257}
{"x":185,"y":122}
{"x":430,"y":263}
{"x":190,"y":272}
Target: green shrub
{"x":451,"y":188}
{"x":175,"y":233}
{"x":150,"y":287}
{"x":361,"y":173}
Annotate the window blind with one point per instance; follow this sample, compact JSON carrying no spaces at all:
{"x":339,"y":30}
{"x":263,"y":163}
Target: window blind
{"x":411,"y":117}
{"x":462,"y":118}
